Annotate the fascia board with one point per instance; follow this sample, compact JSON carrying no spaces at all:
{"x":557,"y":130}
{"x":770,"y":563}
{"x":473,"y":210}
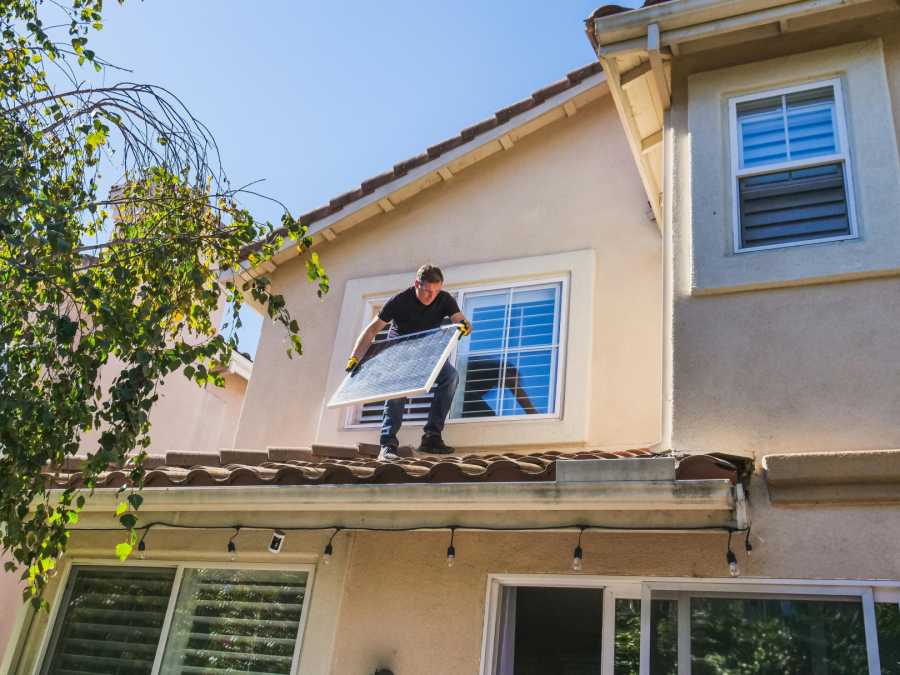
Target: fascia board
{"x":389,"y":189}
{"x":671,"y":15}
{"x":685,"y":495}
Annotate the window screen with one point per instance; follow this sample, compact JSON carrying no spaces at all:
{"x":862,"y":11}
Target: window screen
{"x":791,"y":170}
{"x":110,"y":621}
{"x":508,"y":366}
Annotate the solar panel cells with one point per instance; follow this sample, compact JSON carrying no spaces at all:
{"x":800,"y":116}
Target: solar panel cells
{"x":402,"y":366}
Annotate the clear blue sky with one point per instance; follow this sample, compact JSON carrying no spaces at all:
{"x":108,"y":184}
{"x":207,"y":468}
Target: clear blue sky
{"x":314,"y":97}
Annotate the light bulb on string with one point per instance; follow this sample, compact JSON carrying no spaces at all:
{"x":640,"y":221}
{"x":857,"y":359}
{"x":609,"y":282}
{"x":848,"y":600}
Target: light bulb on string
{"x":451,"y":550}
{"x":578,"y":554}
{"x":232,"y":546}
{"x":142,"y":548}
{"x":329,"y":549}
{"x":748,"y":545}
{"x":731,"y":559}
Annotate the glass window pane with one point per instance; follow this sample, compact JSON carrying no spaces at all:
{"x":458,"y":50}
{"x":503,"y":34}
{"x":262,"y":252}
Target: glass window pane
{"x":558,"y":631}
{"x":529,"y":383}
{"x":508,"y":366}
{"x":811,"y":124}
{"x":235,"y":621}
{"x":481,"y":384}
{"x":887,"y":617}
{"x":765,"y":636}
{"x":111,"y":621}
{"x":761,"y":132}
{"x":532,"y":318}
{"x":663,"y":642}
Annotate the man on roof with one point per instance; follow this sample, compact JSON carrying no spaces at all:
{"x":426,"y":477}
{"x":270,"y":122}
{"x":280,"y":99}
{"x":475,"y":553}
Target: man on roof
{"x":422,"y":306}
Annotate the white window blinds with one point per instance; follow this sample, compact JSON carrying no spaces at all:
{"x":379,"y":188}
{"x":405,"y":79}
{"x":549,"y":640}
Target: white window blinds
{"x":230,"y":621}
{"x":222,"y":621}
{"x":111,"y":621}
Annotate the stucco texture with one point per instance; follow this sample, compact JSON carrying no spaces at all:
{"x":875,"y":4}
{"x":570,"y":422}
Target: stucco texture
{"x":569,"y":187}
{"x":806,"y":368}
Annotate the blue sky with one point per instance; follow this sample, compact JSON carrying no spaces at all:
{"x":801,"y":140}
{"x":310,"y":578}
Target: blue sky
{"x":313,"y":97}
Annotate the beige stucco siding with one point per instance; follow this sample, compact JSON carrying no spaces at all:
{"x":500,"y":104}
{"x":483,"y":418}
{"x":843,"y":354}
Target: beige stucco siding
{"x":570,"y":187}
{"x":811,"y":367}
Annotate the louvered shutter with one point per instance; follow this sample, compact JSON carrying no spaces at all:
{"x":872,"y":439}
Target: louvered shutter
{"x":111,"y":621}
{"x":235,"y":621}
{"x":797,"y":205}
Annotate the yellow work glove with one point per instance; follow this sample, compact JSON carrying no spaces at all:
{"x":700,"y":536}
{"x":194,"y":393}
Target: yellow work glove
{"x":465,"y":328}
{"x":352,"y":362}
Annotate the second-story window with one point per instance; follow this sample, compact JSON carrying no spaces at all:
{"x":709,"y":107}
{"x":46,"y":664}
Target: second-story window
{"x":791,"y":168}
{"x":509,"y":367}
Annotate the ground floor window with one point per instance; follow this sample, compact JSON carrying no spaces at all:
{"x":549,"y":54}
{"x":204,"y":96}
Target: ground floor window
{"x":178,"y":619}
{"x":691,"y":628}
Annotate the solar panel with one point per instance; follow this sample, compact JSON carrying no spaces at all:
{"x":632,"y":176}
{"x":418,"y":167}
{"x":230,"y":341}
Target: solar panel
{"x":406,"y":365}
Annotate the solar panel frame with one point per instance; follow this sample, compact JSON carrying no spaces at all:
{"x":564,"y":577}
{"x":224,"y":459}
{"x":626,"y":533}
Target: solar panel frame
{"x":336,"y":400}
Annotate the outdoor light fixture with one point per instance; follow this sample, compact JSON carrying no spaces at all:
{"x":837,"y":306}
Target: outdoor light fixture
{"x":142,"y":547}
{"x":578,"y":556}
{"x":232,"y":547}
{"x":451,"y":552}
{"x":277,"y":541}
{"x":748,"y":545}
{"x":329,"y":549}
{"x":732,"y":559}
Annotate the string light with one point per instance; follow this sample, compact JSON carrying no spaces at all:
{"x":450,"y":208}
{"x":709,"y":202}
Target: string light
{"x":451,"y":551}
{"x":278,"y":536}
{"x":232,"y":547}
{"x":329,"y":549}
{"x":731,"y":558}
{"x":142,"y":547}
{"x":578,"y":555}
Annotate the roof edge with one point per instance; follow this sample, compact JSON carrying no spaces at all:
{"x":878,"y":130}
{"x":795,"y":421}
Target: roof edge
{"x":378,"y":195}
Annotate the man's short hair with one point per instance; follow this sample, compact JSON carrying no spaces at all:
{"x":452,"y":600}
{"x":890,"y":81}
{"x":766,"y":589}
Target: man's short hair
{"x":430,"y":274}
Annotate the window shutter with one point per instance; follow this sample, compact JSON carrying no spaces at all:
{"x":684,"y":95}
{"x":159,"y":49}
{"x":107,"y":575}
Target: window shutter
{"x":798,"y":205}
{"x":111,"y":622}
{"x":230,"y":621}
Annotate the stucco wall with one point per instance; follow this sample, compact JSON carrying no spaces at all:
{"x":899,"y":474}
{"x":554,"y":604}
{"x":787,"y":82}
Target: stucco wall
{"x":812,"y":367}
{"x":569,"y":187}
{"x":10,"y":598}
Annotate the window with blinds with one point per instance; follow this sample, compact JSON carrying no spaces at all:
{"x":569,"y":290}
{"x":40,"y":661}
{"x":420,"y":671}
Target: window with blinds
{"x":229,"y":621}
{"x":110,"y":621}
{"x":509,"y":366}
{"x":791,"y":168}
{"x":222,"y":621}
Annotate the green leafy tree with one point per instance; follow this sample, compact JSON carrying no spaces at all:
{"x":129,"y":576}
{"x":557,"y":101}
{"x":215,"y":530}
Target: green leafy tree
{"x":87,"y":279}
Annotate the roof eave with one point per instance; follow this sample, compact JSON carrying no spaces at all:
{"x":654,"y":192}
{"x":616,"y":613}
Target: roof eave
{"x":627,"y":504}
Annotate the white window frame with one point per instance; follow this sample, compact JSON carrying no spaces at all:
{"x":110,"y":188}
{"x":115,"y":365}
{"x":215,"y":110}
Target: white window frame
{"x":842,"y":155}
{"x":180,"y":566}
{"x":561,"y":281}
{"x":681,"y":588}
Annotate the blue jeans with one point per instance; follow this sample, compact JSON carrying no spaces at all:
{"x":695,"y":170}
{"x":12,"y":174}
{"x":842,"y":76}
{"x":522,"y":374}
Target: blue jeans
{"x":444,"y":388}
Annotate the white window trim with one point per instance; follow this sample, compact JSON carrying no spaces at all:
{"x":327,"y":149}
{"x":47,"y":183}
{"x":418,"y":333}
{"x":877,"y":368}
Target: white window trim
{"x":642,"y":587}
{"x":180,"y":565}
{"x":351,"y":420}
{"x":843,"y":156}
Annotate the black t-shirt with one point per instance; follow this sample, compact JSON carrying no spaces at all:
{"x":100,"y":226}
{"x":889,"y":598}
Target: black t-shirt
{"x":407,"y":315}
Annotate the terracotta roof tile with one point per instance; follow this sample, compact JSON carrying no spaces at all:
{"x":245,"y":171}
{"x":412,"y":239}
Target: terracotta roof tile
{"x":400,"y":169}
{"x":294,"y":466}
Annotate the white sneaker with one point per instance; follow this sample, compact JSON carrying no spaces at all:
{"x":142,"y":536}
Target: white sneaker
{"x":388,"y":453}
